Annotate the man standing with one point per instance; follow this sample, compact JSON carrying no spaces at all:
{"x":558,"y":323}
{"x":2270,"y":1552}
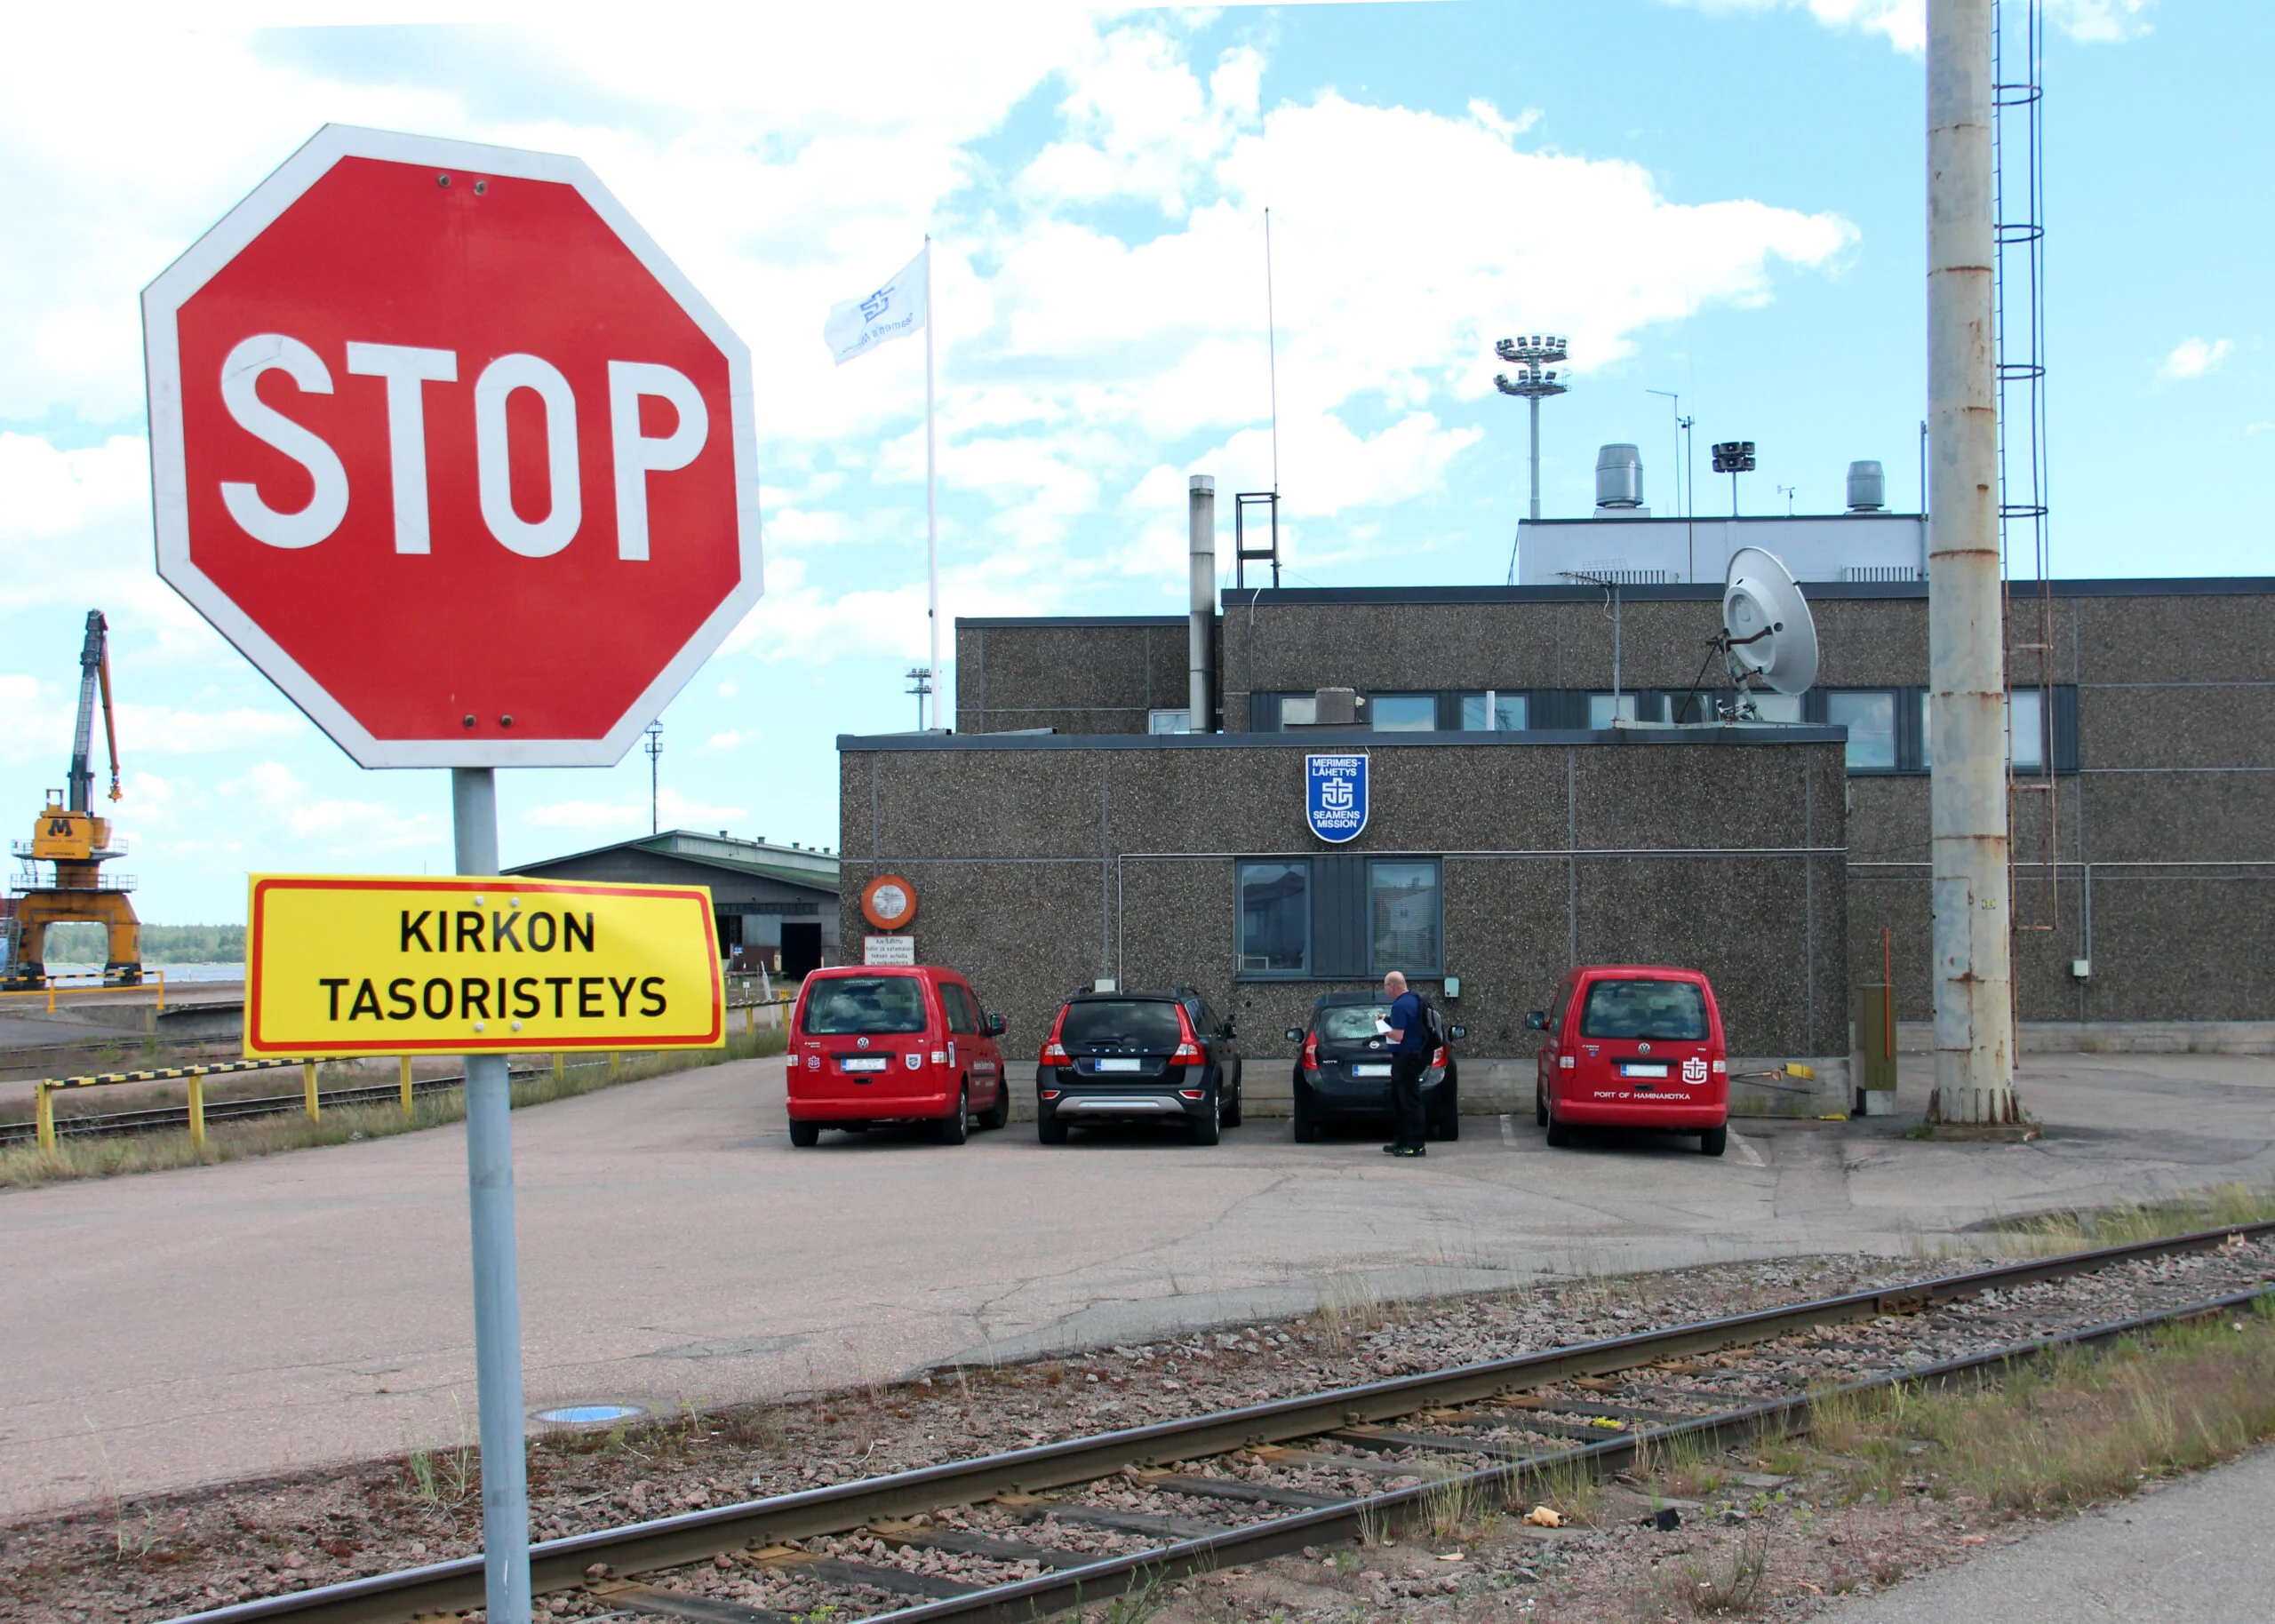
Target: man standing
{"x":1409,"y":1054}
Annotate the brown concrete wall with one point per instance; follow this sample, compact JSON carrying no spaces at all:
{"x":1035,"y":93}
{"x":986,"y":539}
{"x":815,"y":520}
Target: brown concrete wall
{"x":1038,"y":869}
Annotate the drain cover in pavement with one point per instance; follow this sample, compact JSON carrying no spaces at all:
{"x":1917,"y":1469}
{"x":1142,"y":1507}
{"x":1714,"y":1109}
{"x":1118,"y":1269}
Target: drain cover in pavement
{"x":585,"y":1414}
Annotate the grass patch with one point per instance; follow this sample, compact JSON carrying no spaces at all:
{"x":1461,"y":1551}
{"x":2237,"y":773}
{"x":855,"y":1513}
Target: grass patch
{"x":2065,"y":1431}
{"x":2216,"y":1207}
{"x":77,"y":1157}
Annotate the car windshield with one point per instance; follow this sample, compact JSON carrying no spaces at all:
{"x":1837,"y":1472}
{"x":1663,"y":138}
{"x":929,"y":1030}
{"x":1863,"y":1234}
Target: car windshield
{"x":1662,"y":1009}
{"x":1351,"y":1022}
{"x":865,"y":1004}
{"x":1136,"y":1023}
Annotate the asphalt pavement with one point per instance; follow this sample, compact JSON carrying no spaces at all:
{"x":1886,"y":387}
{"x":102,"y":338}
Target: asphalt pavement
{"x":169,"y":1329}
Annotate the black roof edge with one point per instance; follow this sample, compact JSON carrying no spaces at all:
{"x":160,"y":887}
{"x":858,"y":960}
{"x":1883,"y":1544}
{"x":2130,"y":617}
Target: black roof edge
{"x":1356,"y":739}
{"x":1663,"y":591}
{"x":984,"y":622}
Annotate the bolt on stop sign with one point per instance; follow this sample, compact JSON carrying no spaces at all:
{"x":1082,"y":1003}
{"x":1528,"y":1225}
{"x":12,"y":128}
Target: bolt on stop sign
{"x":451,"y":451}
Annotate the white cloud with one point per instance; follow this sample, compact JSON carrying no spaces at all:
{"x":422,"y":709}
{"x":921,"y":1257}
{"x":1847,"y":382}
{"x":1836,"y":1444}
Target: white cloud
{"x":730,"y":738}
{"x":630,"y":818}
{"x":271,"y":795}
{"x":157,"y":730}
{"x":1903,"y":23}
{"x":2193,"y":357}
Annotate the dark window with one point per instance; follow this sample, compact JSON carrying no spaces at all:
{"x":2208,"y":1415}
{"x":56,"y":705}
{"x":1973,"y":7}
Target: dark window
{"x":962,"y":1018}
{"x":1274,"y":919}
{"x":1402,"y":712}
{"x":1492,"y":712}
{"x":1404,"y":917}
{"x":866,"y":1004}
{"x":1668,"y":1010}
{"x":1148,"y":1024}
{"x":1869,"y":716}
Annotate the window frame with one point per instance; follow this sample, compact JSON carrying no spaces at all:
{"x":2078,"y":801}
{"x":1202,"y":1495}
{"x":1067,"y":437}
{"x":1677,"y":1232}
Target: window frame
{"x":1155,"y":717}
{"x":1241,"y":867}
{"x":1436,"y":866}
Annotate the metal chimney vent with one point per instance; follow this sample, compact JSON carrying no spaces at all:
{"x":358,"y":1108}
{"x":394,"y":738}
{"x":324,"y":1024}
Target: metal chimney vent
{"x":1867,"y":488}
{"x":1619,"y":477}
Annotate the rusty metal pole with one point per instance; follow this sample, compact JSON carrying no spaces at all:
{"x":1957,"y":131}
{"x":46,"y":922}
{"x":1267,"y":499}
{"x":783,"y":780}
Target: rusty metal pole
{"x":1975,"y":1066}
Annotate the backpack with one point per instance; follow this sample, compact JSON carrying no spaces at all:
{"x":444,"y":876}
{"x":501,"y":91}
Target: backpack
{"x":1434,"y":1020}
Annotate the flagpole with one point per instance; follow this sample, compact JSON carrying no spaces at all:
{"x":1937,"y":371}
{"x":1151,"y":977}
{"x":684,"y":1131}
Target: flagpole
{"x":931,"y":492}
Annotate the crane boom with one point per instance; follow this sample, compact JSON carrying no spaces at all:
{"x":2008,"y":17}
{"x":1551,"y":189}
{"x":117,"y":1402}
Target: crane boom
{"x":110,"y":722}
{"x":93,"y":659}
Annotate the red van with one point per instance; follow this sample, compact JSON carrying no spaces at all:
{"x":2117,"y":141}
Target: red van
{"x":900,"y":1044}
{"x":1634,"y":1045}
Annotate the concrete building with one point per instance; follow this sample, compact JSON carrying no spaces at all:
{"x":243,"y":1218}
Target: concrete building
{"x":2145,"y":898}
{"x":776,"y":906}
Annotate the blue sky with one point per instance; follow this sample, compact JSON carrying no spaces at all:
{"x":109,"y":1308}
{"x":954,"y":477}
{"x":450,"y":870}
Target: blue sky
{"x":1714,"y":197}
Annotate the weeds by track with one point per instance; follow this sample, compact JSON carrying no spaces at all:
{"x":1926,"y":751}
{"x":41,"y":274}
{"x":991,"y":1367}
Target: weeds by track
{"x":999,"y":1537}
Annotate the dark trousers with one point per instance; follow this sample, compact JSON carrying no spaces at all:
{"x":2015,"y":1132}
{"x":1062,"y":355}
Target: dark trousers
{"x":1408,"y":1125}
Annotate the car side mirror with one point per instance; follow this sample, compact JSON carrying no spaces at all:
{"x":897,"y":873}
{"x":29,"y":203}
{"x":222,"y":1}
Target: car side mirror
{"x":1457,"y":1031}
{"x":995,"y":1026}
{"x":1538,"y":1020}
{"x":1226,"y":1030}
{"x":1295,"y":1034}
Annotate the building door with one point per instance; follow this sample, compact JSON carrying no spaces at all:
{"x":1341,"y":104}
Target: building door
{"x":800,"y":948}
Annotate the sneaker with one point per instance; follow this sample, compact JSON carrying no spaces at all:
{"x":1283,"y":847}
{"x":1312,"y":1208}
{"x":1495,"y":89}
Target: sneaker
{"x":1410,"y":1149}
{"x":1394,"y":1150}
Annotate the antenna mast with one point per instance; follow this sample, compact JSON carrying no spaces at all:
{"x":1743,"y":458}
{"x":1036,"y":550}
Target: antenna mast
{"x":1272,"y":350}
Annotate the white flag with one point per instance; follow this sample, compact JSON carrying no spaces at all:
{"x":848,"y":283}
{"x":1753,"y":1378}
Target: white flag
{"x":894,"y":311}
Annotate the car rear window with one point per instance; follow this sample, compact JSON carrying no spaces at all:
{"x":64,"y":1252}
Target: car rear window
{"x":1672,"y":1010}
{"x":1139,"y":1024}
{"x":865,"y":1004}
{"x":1351,"y":1022}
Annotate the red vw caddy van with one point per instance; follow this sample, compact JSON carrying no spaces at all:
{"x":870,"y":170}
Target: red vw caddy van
{"x":1634,"y":1045}
{"x":893,"y":1044}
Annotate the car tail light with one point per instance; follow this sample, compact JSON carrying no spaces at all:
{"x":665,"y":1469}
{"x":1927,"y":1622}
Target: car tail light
{"x":1439,"y":1058}
{"x":1051,"y":1094}
{"x":1563,"y":1062}
{"x":1189,"y":1094}
{"x":1311,"y":1051}
{"x":1054,"y":1053}
{"x":939,"y":1057}
{"x":1721,"y":1067}
{"x":1188,"y":1048}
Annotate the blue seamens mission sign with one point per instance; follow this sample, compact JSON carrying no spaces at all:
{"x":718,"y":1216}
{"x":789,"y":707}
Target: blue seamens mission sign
{"x":1335,"y":796}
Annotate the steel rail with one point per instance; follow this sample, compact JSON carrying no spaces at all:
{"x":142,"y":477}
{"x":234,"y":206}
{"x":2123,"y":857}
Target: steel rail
{"x":559,"y":1564}
{"x":1024,"y":1601}
{"x":158,"y":1118}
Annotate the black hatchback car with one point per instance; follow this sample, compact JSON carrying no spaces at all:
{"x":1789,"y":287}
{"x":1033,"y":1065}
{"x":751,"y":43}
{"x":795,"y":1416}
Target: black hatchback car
{"x":1344,"y":1069}
{"x":1130,"y":1056}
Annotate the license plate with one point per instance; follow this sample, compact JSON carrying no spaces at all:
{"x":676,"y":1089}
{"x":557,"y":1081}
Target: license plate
{"x":1370,"y":1070}
{"x":867,"y":1063}
{"x":1119,"y":1065}
{"x":1642,"y":1068}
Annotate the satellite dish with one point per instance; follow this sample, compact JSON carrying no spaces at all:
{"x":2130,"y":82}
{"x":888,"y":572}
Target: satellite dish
{"x":1766,"y":627}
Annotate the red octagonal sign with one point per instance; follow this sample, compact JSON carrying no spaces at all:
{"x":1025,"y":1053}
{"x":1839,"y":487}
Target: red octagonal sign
{"x":450,"y":450}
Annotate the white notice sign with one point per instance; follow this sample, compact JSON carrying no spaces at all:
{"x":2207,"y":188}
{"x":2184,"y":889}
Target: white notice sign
{"x":888,"y":949}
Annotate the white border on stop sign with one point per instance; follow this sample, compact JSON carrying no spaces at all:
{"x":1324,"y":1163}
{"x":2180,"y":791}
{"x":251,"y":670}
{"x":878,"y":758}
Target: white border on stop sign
{"x":168,"y":473}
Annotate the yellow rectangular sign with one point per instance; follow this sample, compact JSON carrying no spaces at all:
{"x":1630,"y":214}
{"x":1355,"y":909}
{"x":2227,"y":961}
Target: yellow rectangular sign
{"x":359,"y":965}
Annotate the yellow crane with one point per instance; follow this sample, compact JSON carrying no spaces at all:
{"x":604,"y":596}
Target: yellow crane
{"x":73,"y":844}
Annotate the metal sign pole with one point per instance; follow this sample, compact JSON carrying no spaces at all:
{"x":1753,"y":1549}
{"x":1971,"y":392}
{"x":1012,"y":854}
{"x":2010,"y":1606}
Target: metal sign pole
{"x":497,"y":1290}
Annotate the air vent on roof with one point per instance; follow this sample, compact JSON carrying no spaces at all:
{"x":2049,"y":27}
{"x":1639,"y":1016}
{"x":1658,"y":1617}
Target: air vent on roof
{"x":1880,"y":572}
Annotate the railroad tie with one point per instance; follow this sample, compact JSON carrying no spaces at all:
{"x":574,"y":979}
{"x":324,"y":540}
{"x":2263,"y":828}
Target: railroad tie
{"x":1253,"y":1493}
{"x":684,"y":1605}
{"x":877,"y":1577}
{"x":1438,"y":1442}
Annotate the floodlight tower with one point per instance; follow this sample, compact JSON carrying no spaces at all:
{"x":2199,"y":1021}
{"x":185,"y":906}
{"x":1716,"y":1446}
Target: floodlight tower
{"x":1528,"y":356}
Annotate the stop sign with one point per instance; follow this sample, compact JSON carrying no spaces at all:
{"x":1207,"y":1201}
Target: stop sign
{"x":448,"y":448}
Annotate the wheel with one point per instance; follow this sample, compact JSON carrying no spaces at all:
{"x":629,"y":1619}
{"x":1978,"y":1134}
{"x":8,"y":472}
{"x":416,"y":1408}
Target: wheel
{"x":805,"y":1135}
{"x":1557,"y":1134}
{"x":1233,"y":1111}
{"x":1209,"y":1127}
{"x":1714,"y":1141}
{"x":1000,"y":1112}
{"x":1306,"y":1117}
{"x":1539,"y":1107}
{"x":1445,"y":1121}
{"x":1050,"y":1129}
{"x":955,"y":1128}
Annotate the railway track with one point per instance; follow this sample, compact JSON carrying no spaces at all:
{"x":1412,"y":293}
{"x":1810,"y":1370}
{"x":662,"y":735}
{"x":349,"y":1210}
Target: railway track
{"x":160,"y":1117}
{"x":1023,"y":1533}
